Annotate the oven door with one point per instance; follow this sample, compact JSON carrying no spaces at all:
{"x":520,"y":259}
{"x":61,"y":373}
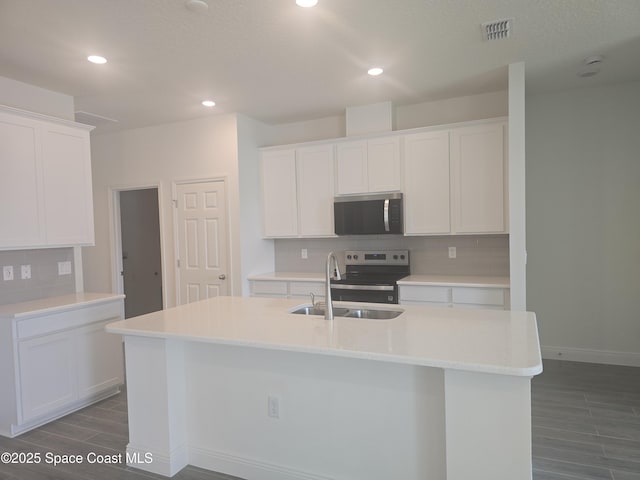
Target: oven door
{"x":365,"y":293}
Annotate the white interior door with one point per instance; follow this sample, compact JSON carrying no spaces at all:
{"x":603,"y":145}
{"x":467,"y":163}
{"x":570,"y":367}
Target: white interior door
{"x":202,"y":240}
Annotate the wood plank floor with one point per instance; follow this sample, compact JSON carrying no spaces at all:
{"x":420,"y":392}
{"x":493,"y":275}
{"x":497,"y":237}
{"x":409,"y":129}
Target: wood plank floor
{"x":586,"y":422}
{"x":586,"y":426}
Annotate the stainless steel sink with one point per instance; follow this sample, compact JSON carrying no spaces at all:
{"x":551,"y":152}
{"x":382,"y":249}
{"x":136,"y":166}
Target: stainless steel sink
{"x":319,"y":310}
{"x":368,"y":313}
{"x":373,"y":314}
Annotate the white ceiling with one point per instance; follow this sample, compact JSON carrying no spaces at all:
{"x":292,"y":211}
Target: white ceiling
{"x":277,"y":62}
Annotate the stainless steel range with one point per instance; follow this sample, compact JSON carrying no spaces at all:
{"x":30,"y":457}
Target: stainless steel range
{"x":371,"y":276}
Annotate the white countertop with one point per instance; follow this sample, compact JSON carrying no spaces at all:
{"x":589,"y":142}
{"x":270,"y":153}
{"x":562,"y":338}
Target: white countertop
{"x":489,"y":341}
{"x":456,"y":281}
{"x":440,"y":280}
{"x":55,"y":304}
{"x":288,"y":277}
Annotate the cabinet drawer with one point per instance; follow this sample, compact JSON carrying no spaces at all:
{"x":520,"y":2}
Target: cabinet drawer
{"x":478,"y":296}
{"x":421,"y":293}
{"x":304,"y":288}
{"x":42,"y":325}
{"x":265,"y":287}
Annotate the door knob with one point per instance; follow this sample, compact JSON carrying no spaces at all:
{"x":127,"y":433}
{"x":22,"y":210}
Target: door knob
{"x":222,"y":277}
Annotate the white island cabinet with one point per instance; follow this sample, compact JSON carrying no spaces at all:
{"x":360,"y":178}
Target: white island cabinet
{"x":55,"y":357}
{"x":242,"y":386}
{"x":45,"y":186}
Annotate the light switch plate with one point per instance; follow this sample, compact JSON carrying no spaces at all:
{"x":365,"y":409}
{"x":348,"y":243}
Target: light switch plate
{"x":25,"y":272}
{"x":7,"y":273}
{"x":452,"y":252}
{"x":304,"y":254}
{"x":64,"y":268}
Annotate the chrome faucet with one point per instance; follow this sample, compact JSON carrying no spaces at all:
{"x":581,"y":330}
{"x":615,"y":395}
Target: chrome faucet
{"x":328,"y":311}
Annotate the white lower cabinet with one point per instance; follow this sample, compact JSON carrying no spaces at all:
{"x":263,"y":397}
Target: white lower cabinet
{"x":267,"y":288}
{"x":287,"y":289}
{"x":304,"y":290}
{"x":46,"y":379}
{"x":425,"y":295}
{"x":463,"y":297}
{"x":477,"y":297}
{"x":63,"y":361}
{"x":105,"y":370}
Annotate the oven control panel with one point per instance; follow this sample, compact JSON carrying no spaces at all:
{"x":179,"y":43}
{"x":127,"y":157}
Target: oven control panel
{"x":376,"y":257}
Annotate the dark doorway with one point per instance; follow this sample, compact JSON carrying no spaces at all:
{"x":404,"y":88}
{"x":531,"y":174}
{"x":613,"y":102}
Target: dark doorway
{"x":141,"y":257}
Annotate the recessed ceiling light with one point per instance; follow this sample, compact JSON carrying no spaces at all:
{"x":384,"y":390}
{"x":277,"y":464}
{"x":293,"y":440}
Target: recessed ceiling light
{"x":306,"y":3}
{"x":97,"y":59}
{"x":198,"y":6}
{"x":209,"y":103}
{"x":375,"y":71}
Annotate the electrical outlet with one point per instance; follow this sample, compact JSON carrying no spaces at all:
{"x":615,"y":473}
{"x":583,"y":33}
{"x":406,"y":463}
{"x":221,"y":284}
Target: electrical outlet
{"x":25,"y":272}
{"x":7,"y":273}
{"x":273,"y":406}
{"x":452,"y":252}
{"x":304,"y":254}
{"x":64,"y":268}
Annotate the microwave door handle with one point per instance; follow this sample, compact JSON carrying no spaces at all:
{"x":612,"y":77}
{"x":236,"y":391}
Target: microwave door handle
{"x":386,"y":215}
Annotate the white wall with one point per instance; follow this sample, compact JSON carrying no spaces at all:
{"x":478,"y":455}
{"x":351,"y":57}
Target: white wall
{"x":452,"y":110}
{"x":257,"y":253}
{"x":35,"y":99}
{"x":438,"y":112}
{"x":517,"y":188}
{"x":202,"y":148}
{"x":583,"y":227}
{"x":306,"y":131}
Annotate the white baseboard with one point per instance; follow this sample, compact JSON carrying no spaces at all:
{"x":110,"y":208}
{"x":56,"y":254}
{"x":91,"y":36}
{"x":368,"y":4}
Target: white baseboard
{"x":246,"y":467}
{"x":630,"y":359}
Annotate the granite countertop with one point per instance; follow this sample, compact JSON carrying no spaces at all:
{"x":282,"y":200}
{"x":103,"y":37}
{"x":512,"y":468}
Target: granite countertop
{"x":489,"y":341}
{"x":55,"y":304}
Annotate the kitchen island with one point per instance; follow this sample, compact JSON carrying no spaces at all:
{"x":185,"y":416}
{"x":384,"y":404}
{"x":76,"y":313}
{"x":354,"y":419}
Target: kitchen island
{"x":241,"y":386}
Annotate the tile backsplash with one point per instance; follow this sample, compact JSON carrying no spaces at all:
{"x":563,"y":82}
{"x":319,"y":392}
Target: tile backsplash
{"x":475,"y":254}
{"x":44,"y":282}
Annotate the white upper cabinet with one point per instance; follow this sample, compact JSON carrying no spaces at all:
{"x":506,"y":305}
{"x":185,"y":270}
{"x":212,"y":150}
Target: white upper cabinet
{"x":297,"y":191}
{"x":21,"y":215}
{"x":279,"y":199}
{"x":478,"y":185}
{"x":366,"y":166}
{"x":315,"y":190}
{"x":453,"y":180}
{"x":384,"y":164}
{"x":351,"y":167}
{"x":426,"y":183}
{"x":45,"y":186}
{"x":68,"y":211}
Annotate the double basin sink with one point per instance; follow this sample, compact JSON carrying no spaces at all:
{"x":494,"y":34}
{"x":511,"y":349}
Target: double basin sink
{"x":353,"y":312}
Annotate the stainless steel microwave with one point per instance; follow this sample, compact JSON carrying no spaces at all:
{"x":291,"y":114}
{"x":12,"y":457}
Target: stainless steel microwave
{"x":368,"y":214}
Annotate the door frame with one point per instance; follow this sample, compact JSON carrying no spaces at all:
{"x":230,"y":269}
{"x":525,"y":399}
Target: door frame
{"x":115,"y":235}
{"x":174,"y":198}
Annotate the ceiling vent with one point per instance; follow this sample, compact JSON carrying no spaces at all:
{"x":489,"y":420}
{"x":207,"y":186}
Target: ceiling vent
{"x":497,"y":29}
{"x":93,"y":119}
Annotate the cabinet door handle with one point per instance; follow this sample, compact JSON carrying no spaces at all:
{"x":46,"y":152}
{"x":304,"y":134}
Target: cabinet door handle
{"x":222,"y":277}
{"x":386,"y":215}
